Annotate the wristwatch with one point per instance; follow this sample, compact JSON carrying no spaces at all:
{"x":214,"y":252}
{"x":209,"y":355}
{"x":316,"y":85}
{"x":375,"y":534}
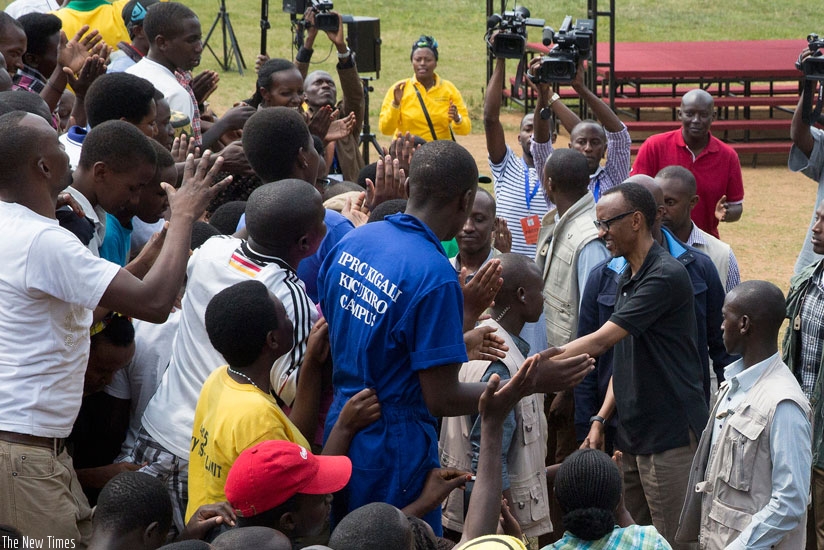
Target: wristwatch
{"x":596,"y":418}
{"x":546,"y":112}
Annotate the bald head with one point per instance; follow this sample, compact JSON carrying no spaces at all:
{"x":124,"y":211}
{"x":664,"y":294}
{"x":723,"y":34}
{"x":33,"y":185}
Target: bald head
{"x":650,"y":185}
{"x":762,"y":302}
{"x":22,"y":136}
{"x":697,"y":98}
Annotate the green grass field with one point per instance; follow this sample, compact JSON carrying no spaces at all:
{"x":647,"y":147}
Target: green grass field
{"x":459,"y":26}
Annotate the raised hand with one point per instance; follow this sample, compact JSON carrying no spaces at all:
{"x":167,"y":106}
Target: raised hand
{"x":483,"y":344}
{"x":390,"y":183}
{"x":198,"y":187}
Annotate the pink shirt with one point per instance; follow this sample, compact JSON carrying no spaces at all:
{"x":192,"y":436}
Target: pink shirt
{"x":717,"y":172}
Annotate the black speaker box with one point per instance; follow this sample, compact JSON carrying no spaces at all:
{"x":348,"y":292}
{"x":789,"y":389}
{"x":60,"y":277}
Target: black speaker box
{"x":364,"y":38}
{"x":298,"y":7}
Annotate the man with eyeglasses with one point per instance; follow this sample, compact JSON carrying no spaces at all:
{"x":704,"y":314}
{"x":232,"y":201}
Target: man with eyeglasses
{"x":657,"y":383}
{"x":715,"y":164}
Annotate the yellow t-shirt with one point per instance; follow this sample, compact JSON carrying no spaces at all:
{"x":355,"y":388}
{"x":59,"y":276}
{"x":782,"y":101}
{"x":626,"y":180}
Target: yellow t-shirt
{"x":229,"y":418}
{"x":106,"y":17}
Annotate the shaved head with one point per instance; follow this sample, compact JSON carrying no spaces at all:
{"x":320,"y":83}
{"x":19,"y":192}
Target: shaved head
{"x":697,"y":97}
{"x":518,"y":271}
{"x":677,"y":176}
{"x":762,"y":302}
{"x":650,"y":185}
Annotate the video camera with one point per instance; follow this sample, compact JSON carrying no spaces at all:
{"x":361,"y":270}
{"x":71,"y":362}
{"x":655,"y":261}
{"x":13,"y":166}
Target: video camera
{"x":324,"y":19}
{"x":510,"y":42}
{"x":572,"y":44}
{"x":813,"y":66}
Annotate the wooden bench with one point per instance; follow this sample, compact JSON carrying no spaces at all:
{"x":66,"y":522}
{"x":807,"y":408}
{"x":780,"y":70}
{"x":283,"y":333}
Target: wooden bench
{"x":753,"y":148}
{"x":724,"y":125}
{"x":720,"y":102}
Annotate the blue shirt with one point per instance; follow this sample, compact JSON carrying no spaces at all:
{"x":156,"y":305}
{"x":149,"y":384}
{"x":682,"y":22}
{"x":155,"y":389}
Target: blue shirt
{"x":117,"y":243}
{"x":394,"y":308}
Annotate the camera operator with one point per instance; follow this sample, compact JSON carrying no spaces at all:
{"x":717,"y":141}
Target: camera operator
{"x":594,"y":139}
{"x":342,"y":156}
{"x":807,"y":157}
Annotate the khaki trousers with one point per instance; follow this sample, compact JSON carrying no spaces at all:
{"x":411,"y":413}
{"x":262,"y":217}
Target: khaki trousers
{"x":42,"y":497}
{"x":655,"y":488}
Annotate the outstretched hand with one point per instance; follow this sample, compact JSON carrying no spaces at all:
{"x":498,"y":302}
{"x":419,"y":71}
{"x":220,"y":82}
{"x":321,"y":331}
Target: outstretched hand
{"x":495,"y":403}
{"x":184,"y":146}
{"x":356,"y":211}
{"x":560,"y":374}
{"x":439,"y":483}
{"x":198,"y":187}
{"x":208,"y":517}
{"x":482,"y":344}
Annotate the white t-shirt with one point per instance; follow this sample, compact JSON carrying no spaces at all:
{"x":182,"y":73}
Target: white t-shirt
{"x":19,"y":8}
{"x":220,"y":263}
{"x":166,"y":83}
{"x":139,"y":380}
{"x":49,"y":283}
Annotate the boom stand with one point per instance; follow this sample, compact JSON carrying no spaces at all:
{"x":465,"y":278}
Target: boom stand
{"x":367,"y":137}
{"x":231,"y":48}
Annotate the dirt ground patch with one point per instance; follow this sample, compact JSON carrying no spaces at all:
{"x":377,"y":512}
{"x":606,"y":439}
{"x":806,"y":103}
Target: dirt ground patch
{"x":777,"y":209}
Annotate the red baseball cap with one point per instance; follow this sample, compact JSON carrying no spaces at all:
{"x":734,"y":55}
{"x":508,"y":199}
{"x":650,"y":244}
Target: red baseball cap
{"x":270,"y":473}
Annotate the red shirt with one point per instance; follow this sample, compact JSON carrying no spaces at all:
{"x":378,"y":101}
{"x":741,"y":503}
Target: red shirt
{"x":717,"y":172}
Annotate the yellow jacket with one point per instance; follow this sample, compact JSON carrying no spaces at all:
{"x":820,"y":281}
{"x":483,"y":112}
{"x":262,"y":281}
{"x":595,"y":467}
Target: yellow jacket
{"x":409,"y":116}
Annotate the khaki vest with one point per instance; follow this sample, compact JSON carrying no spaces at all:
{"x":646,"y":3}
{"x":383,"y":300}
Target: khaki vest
{"x":559,"y":245}
{"x":719,"y":253}
{"x":527,"y":472}
{"x":732,"y":482}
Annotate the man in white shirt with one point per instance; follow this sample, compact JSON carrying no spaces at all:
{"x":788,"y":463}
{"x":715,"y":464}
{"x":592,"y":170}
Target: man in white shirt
{"x":50,"y":284}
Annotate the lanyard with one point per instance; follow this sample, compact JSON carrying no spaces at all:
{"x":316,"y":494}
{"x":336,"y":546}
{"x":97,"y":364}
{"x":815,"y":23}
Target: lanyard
{"x":529,"y":194}
{"x":595,"y":182}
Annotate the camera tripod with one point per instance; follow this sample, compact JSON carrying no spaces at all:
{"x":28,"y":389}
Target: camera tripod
{"x":231,"y":49}
{"x":367,"y":137}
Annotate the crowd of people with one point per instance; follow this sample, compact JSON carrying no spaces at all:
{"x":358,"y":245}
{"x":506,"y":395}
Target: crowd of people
{"x":229,"y":332}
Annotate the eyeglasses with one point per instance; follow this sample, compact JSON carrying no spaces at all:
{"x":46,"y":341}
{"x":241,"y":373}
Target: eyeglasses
{"x":604,"y":224}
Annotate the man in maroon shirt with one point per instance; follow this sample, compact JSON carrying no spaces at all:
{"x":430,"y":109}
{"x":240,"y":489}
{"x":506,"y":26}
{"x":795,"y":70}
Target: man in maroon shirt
{"x":714,"y":164}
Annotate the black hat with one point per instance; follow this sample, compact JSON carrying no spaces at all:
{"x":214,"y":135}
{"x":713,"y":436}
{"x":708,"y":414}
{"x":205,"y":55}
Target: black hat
{"x":588,"y":479}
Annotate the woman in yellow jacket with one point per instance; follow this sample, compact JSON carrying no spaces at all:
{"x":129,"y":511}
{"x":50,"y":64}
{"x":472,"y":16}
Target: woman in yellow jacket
{"x":403,"y":107}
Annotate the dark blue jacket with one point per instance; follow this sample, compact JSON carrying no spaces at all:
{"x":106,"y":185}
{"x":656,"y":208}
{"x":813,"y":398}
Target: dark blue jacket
{"x":598,"y":303}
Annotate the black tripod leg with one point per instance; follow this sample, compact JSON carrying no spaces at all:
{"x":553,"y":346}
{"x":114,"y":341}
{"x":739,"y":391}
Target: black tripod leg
{"x":209,"y":36}
{"x":241,"y":64}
